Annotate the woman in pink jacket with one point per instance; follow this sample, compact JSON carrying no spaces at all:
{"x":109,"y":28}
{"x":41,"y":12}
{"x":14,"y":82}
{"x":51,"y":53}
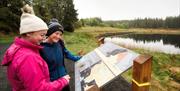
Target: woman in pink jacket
{"x":26,"y":70}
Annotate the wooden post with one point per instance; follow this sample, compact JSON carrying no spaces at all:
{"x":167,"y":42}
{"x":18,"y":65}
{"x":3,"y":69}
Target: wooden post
{"x":100,"y":41}
{"x":141,"y":73}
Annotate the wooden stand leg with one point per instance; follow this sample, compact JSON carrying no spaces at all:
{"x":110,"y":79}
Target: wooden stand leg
{"x":141,"y":73}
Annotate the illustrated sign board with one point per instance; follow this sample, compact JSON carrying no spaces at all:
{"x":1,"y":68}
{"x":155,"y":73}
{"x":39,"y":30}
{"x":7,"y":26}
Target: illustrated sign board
{"x":101,"y":65}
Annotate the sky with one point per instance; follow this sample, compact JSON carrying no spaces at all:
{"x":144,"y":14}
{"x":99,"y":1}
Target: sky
{"x":127,"y":9}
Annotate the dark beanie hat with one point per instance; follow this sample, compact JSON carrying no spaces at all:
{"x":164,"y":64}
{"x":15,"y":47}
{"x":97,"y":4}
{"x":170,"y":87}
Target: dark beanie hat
{"x":54,"y":26}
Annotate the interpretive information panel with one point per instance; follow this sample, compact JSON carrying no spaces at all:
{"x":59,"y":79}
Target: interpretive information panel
{"x":102,"y":65}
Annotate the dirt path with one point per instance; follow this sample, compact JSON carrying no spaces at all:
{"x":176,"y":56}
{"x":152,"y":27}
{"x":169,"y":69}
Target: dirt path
{"x":4,"y":85}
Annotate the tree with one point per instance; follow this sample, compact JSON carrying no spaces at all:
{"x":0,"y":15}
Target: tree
{"x":63,"y":10}
{"x":10,"y":15}
{"x":70,"y":16}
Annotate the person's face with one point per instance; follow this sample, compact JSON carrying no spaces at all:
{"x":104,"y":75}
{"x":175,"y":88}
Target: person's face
{"x":37,"y":37}
{"x":55,"y":37}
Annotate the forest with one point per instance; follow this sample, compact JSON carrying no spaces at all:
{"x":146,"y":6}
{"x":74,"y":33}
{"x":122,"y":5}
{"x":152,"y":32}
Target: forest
{"x":169,"y":22}
{"x":65,"y":12}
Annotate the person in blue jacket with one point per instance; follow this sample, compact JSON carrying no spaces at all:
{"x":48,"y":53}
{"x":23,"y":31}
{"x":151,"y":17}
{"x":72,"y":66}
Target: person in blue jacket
{"x":54,"y":52}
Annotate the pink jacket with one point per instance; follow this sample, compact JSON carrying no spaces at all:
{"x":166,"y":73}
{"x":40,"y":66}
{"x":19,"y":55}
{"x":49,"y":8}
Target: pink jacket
{"x":26,"y":70}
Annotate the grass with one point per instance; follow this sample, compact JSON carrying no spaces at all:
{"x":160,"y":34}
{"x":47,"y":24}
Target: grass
{"x":161,"y":69}
{"x":6,"y":38}
{"x":80,"y":41}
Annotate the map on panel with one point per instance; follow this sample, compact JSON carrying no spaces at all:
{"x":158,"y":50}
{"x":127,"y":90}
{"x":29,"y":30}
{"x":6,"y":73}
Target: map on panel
{"x":102,"y":65}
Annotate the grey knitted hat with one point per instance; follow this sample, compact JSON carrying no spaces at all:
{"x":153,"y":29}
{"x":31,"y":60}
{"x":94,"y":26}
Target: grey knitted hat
{"x":54,"y":26}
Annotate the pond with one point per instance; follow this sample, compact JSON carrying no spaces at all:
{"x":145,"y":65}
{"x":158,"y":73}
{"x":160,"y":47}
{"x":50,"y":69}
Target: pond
{"x":166,"y":43}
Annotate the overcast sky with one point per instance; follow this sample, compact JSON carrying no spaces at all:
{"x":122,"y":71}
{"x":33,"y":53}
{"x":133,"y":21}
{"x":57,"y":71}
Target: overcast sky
{"x":127,"y":9}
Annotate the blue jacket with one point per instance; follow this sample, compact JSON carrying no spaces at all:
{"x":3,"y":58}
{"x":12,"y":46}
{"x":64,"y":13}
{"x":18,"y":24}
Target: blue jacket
{"x":54,"y":55}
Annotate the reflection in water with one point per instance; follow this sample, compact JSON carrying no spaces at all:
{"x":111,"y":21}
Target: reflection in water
{"x":166,"y":38}
{"x":157,"y":46}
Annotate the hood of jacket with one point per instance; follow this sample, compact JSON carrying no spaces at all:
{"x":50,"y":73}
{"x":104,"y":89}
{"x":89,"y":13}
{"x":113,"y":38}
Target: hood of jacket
{"x":18,"y":43}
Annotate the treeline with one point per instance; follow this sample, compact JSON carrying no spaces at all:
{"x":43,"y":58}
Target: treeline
{"x":169,"y":22}
{"x":63,"y":10}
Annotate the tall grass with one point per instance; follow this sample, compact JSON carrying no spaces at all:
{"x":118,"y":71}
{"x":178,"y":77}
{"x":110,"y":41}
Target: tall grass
{"x":7,"y":38}
{"x":79,"y":41}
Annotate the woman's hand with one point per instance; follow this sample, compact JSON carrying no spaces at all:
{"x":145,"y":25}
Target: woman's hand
{"x":81,"y":53}
{"x":67,"y":77}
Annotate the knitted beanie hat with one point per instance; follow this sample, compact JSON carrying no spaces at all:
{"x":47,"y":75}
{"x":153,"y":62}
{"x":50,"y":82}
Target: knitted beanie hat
{"x":30,"y":22}
{"x":54,"y":26}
